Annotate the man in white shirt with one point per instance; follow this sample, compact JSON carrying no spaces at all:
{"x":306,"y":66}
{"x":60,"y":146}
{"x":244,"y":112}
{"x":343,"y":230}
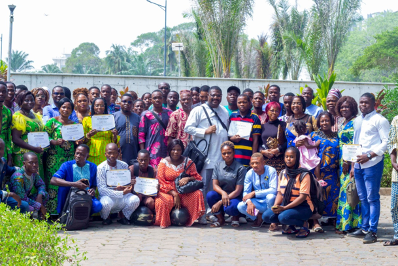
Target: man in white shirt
{"x":199,"y":127}
{"x":311,"y":109}
{"x":371,"y":132}
{"x":117,"y":199}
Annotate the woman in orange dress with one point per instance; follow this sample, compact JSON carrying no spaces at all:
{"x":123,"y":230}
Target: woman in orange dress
{"x":168,"y":170}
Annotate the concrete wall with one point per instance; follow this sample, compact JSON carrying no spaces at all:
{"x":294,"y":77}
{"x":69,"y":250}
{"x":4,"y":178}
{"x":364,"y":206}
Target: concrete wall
{"x":142,"y":84}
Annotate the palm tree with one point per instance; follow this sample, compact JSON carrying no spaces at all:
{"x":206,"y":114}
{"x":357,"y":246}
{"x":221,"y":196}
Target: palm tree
{"x":53,"y":68}
{"x":117,"y":59}
{"x":19,"y":62}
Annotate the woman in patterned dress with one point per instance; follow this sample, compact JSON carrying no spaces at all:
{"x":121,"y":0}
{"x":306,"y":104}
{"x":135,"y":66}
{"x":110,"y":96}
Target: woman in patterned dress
{"x":40,"y":100}
{"x":82,"y":106}
{"x":168,"y":197}
{"x":60,"y":150}
{"x":328,"y":152}
{"x":25,"y":121}
{"x":348,"y":218}
{"x":97,"y":140}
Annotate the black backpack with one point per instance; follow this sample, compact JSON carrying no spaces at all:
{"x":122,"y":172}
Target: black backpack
{"x":76,"y":212}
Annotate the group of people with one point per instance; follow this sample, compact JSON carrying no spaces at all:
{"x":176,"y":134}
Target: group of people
{"x":268,"y":176}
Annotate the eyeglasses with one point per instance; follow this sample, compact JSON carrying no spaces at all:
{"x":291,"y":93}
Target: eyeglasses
{"x":58,"y":93}
{"x":125,"y":101}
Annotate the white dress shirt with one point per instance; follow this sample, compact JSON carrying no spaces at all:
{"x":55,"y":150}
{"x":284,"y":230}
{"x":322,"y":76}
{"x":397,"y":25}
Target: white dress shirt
{"x":101,"y":179}
{"x":371,"y":131}
{"x":196,"y":126}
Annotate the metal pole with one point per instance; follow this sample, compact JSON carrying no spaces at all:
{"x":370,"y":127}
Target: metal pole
{"x":11,"y":7}
{"x":165,"y":29}
{"x":179,"y":62}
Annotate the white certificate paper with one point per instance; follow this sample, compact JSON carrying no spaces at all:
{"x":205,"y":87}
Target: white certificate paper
{"x":103,"y":122}
{"x":243,"y":129}
{"x":72,"y":132}
{"x":116,"y":178}
{"x":146,"y":186}
{"x":351,"y":151}
{"x":38,"y":139}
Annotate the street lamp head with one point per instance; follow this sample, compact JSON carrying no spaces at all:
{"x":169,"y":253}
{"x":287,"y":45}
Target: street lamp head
{"x":12,"y":7}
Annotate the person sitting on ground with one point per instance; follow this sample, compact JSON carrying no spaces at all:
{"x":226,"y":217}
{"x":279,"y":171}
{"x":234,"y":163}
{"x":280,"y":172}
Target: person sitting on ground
{"x":118,"y":200}
{"x":70,"y":174}
{"x":29,"y":186}
{"x":228,"y":179}
{"x":259,"y":191}
{"x":140,"y":167}
{"x":9,"y":198}
{"x":293,"y":205}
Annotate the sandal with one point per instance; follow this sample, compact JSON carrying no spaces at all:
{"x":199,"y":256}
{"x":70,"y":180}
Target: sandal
{"x":235,"y":224}
{"x":307,"y":232}
{"x":215,"y":224}
{"x":392,"y":242}
{"x":273,"y":227}
{"x":292,"y":232}
{"x":318,"y":229}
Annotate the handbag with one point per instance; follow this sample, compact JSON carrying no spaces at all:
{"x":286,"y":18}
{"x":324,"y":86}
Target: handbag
{"x":191,"y":186}
{"x":352,"y":194}
{"x":197,"y":155}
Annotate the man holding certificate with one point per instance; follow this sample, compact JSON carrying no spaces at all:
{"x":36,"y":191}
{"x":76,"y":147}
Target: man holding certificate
{"x":114,"y":189}
{"x":371,"y":132}
{"x":244,"y":131}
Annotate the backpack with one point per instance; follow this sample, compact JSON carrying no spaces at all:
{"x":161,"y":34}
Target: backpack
{"x":315,"y":193}
{"x":76,"y":212}
{"x":136,"y":173}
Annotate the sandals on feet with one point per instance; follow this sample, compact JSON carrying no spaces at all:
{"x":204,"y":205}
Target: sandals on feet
{"x":215,"y":224}
{"x":318,"y":229}
{"x":273,"y":227}
{"x":392,"y":242}
{"x":303,"y":229}
{"x":292,"y":232}
{"x":235,"y":223}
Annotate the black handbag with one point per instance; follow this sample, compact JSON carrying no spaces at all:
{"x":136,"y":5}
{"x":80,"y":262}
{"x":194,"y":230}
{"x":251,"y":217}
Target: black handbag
{"x":191,"y":186}
{"x":197,"y":155}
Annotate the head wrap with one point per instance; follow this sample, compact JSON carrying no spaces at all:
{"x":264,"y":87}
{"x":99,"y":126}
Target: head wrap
{"x":335,"y":92}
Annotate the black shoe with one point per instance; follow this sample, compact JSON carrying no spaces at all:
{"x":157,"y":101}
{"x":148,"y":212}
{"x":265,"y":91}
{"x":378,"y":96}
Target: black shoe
{"x":370,"y":237}
{"x":124,"y":221}
{"x":107,"y":221}
{"x":357,"y":233}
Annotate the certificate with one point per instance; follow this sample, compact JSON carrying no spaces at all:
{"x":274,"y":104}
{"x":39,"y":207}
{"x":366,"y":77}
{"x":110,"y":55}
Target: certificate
{"x":351,"y":151}
{"x":243,"y":129}
{"x":146,"y":186}
{"x":116,"y":178}
{"x":103,"y":122}
{"x":38,"y":139}
{"x":72,"y":132}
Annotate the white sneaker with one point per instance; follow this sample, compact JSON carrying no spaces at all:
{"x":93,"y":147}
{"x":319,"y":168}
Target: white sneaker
{"x":202,"y":220}
{"x":242,"y":220}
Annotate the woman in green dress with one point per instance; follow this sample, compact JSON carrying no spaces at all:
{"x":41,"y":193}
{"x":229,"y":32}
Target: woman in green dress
{"x":25,"y":121}
{"x":348,"y":218}
{"x":60,"y":150}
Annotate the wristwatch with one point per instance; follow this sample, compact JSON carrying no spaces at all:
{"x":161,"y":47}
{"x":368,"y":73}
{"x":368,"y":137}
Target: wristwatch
{"x":369,"y":155}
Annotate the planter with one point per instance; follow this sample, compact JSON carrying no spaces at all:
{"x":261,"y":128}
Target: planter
{"x":385,"y":191}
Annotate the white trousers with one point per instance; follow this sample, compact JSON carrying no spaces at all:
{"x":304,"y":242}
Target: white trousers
{"x":127,"y":205}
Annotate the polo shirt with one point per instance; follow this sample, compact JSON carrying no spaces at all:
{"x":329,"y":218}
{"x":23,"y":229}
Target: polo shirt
{"x":229,"y":110}
{"x":229,"y":176}
{"x":244,"y":148}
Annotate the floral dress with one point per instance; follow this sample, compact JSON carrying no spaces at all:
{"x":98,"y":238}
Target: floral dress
{"x":164,"y":202}
{"x":152,"y":133}
{"x":347,"y":217}
{"x":26,"y":125}
{"x":56,"y":156}
{"x":329,"y":155}
{"x":291,"y":133}
{"x":175,"y":128}
{"x":28,"y":188}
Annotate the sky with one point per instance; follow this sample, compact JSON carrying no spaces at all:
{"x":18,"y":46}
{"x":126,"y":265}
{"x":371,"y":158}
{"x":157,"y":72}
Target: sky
{"x":46,"y":29}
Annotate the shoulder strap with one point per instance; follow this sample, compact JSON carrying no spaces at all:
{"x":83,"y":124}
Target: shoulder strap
{"x":208,"y":118}
{"x":219,"y":119}
{"x":159,"y":120}
{"x":150,"y":171}
{"x":281,"y":175}
{"x":136,"y":169}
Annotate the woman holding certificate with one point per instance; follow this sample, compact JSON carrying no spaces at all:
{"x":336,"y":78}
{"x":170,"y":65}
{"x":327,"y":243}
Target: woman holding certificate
{"x":60,"y":150}
{"x":24,"y":122}
{"x":97,"y":138}
{"x":348,"y":218}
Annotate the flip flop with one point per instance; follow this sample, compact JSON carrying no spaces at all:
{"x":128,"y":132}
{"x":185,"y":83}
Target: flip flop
{"x":215,"y":224}
{"x":303,"y":229}
{"x":235,"y":224}
{"x":318,"y":229}
{"x":392,"y":242}
{"x":273,"y":227}
{"x":291,"y":227}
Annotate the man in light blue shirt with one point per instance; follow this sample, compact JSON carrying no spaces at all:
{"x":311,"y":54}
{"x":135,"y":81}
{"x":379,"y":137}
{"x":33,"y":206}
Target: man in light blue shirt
{"x":259,"y":191}
{"x":310,"y":108}
{"x":52,"y":110}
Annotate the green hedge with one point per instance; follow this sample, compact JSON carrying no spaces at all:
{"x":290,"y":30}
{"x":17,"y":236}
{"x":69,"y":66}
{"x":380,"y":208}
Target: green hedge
{"x":386,"y":179}
{"x":31,"y":242}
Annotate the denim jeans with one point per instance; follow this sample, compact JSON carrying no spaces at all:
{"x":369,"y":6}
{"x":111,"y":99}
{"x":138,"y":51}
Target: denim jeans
{"x":295,"y":216}
{"x":207,"y":175}
{"x":13,"y":204}
{"x":232,"y":210}
{"x":261,"y":205}
{"x":368,"y":186}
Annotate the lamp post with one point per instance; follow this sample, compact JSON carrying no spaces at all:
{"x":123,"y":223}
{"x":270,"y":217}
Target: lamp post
{"x":11,"y":7}
{"x":164,"y":8}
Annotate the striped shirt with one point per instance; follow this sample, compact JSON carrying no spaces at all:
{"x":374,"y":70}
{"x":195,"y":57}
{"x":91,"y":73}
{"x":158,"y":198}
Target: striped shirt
{"x":244,"y":148}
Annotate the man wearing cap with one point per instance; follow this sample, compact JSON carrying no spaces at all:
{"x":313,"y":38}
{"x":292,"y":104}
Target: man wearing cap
{"x":232,"y":98}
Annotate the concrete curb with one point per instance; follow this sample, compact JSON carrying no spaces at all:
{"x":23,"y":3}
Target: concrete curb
{"x":385,"y":191}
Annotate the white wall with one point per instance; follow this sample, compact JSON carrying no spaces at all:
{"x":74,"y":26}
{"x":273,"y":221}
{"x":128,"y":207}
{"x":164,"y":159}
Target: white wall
{"x":142,"y":84}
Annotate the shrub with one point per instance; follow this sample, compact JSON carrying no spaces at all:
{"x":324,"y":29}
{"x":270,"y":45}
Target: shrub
{"x":390,"y":103}
{"x":387,"y":171}
{"x":32,"y":242}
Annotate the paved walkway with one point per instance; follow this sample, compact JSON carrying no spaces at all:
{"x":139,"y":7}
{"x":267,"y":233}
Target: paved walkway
{"x":200,"y":245}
